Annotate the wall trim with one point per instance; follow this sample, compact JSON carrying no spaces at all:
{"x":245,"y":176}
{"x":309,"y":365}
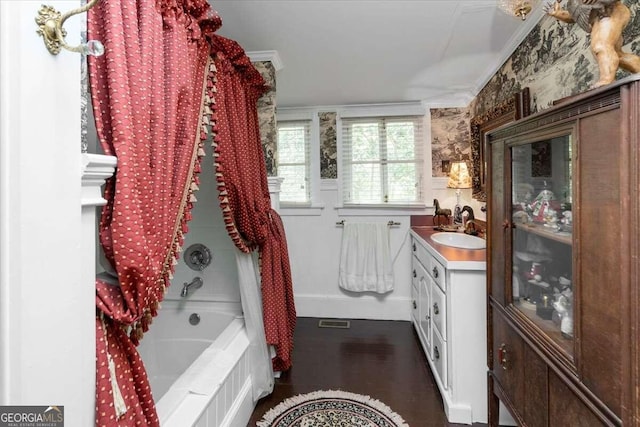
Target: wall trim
{"x":328,"y":184}
{"x":359,"y":306}
{"x":96,"y":169}
{"x":267,"y":56}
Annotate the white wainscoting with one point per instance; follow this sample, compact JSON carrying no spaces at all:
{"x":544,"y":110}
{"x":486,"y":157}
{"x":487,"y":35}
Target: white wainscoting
{"x":314,"y":250}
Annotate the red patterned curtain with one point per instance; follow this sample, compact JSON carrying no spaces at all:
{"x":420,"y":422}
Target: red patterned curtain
{"x":147,"y":91}
{"x":244,"y":192}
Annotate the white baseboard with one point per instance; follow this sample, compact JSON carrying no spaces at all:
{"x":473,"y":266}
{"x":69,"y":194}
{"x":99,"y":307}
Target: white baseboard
{"x":363,"y":306}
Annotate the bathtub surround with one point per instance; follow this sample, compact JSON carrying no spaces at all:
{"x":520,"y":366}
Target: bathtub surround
{"x":199,"y":374}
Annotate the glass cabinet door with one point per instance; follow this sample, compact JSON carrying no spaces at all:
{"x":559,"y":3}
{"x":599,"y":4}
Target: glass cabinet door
{"x":542,"y":224}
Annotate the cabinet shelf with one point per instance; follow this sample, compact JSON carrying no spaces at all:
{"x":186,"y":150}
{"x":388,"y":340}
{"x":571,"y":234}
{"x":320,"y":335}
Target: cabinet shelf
{"x":549,"y":328}
{"x":545,"y":232}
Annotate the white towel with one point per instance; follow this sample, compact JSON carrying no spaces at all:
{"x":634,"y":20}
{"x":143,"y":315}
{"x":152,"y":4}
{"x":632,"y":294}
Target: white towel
{"x":365,"y":259}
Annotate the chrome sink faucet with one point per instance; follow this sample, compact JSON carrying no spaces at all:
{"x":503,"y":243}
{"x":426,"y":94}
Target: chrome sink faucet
{"x":196,"y":283}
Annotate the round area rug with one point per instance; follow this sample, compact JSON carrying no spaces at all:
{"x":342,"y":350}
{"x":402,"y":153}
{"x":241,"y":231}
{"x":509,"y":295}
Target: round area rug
{"x":331,"y":408}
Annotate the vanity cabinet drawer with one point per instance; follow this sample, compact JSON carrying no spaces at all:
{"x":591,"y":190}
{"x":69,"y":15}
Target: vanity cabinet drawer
{"x":439,"y":310}
{"x":439,"y":274}
{"x":440,"y":357}
{"x":422,"y":255}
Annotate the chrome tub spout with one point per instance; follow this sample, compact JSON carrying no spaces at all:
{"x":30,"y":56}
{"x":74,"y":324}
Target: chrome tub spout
{"x":196,"y":283}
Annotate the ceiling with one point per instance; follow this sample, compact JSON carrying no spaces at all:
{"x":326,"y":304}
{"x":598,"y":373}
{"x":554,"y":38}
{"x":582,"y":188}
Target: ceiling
{"x":366,"y":52}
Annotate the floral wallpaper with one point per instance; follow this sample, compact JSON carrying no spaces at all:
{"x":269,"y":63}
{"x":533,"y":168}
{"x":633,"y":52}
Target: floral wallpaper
{"x":554,"y":61}
{"x":267,"y":117}
{"x":450,"y":138}
{"x":328,"y":145}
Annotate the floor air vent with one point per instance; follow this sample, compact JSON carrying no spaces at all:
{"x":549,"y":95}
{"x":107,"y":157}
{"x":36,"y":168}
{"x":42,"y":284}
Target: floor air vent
{"x":338,"y":324}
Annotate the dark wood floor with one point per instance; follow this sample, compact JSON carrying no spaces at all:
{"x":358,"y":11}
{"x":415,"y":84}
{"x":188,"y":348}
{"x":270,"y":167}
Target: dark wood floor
{"x":381,"y":359}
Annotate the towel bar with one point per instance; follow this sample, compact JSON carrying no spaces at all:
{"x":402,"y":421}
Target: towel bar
{"x":390,"y":223}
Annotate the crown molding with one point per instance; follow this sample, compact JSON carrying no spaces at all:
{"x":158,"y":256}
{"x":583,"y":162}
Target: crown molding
{"x":532,"y":20}
{"x":267,"y":55}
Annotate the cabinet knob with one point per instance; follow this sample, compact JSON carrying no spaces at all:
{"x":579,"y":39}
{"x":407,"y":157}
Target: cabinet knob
{"x":508,"y":224}
{"x":414,"y":247}
{"x":436,"y":309}
{"x":414,"y":273}
{"x":414,"y":304}
{"x":427,"y":317}
{"x":435,"y":272}
{"x":503,"y":356}
{"x":436,"y":352}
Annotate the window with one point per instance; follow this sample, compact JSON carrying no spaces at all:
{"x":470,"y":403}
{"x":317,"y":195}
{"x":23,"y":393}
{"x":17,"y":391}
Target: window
{"x":294,"y":162}
{"x":382,"y":161}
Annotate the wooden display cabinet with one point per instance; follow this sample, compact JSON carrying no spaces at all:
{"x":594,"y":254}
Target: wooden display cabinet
{"x":563,"y":262}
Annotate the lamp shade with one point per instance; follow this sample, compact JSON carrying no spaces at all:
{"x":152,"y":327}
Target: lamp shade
{"x":459,"y":176}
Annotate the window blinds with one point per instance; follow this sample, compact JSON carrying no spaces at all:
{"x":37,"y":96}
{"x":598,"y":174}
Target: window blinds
{"x":293,"y":161}
{"x":382,"y":160}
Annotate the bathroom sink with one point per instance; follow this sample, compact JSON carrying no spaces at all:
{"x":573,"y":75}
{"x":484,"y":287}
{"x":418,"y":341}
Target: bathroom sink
{"x":459,"y":240}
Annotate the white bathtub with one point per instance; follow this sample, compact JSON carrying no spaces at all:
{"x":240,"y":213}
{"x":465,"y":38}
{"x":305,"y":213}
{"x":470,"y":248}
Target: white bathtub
{"x":199,"y":374}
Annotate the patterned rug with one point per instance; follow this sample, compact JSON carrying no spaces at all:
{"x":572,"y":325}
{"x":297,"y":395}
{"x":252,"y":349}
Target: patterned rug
{"x":331,"y":408}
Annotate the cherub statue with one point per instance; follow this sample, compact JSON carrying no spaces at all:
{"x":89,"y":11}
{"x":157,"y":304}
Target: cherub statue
{"x":604,"y":20}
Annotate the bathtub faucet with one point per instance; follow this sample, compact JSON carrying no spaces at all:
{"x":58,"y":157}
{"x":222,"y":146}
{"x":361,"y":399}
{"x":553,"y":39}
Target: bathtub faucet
{"x":196,"y":283}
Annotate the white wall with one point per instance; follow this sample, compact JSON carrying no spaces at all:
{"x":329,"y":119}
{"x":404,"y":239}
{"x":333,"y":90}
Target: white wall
{"x":314,"y":251}
{"x":47,"y":304}
{"x":207,"y":227}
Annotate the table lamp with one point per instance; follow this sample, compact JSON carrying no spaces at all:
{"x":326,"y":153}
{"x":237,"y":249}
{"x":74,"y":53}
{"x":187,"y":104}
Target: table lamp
{"x":459,"y":178}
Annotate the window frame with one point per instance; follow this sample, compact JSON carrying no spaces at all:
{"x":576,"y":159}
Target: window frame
{"x":391,"y":112}
{"x":314,"y":206}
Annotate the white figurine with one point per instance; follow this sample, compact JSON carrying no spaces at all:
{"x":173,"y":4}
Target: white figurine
{"x":564,"y":306}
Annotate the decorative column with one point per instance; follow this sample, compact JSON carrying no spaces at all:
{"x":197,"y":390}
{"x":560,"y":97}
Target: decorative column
{"x":275,"y":182}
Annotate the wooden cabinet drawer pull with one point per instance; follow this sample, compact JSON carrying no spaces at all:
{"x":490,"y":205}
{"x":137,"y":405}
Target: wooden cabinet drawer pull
{"x":436,"y":309}
{"x":435,"y":272}
{"x":414,"y":273}
{"x":415,"y":305}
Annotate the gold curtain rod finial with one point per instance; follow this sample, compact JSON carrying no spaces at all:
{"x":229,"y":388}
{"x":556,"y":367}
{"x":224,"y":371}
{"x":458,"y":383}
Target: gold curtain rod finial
{"x":50,"y":23}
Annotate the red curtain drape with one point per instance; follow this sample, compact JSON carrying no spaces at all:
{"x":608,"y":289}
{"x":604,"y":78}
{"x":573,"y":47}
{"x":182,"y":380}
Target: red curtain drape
{"x":244,"y":192}
{"x":147,"y":92}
